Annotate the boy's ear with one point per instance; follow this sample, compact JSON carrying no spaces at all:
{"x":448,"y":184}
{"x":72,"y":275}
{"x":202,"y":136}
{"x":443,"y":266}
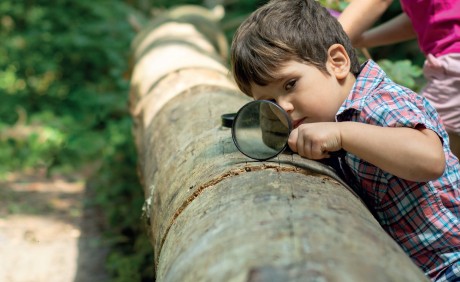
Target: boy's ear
{"x":338,"y":61}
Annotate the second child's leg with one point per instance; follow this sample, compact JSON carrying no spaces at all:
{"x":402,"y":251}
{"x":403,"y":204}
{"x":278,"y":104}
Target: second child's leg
{"x":443,"y":91}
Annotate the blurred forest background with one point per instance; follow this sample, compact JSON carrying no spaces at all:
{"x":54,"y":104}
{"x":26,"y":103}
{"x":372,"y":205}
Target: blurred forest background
{"x":64,"y":83}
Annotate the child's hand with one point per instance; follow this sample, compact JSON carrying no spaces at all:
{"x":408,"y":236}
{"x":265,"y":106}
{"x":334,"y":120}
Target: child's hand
{"x":315,"y":140}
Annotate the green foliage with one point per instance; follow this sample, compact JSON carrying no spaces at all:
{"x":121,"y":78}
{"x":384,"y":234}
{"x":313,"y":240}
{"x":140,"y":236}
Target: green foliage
{"x":403,"y":72}
{"x":28,"y":147}
{"x":120,"y":193}
{"x":64,"y":106}
{"x":132,"y":265}
{"x":63,"y":64}
{"x":338,"y":5}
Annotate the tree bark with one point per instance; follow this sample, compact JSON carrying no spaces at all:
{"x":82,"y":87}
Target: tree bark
{"x":215,"y":215}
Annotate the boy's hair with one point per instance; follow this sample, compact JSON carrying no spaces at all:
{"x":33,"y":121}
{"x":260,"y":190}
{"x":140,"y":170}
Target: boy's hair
{"x":283,"y":30}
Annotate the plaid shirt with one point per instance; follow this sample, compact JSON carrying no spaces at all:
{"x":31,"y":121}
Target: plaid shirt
{"x":423,"y":217}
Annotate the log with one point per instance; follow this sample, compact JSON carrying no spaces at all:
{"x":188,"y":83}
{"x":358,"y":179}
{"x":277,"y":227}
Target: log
{"x":215,"y":215}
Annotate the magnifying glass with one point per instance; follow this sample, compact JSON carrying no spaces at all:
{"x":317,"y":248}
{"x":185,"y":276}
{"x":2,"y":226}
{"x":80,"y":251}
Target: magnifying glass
{"x":261,"y":129}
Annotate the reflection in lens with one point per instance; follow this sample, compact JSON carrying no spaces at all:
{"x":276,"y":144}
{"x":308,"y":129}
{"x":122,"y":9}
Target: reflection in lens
{"x":274,"y":126}
{"x":280,"y":114}
{"x":261,"y":130}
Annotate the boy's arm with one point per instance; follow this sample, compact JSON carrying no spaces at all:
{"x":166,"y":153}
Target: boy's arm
{"x":411,"y":154}
{"x":360,"y":15}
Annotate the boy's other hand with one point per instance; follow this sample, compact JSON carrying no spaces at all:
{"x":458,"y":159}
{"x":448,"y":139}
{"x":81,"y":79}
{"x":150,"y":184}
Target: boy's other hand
{"x":315,"y":140}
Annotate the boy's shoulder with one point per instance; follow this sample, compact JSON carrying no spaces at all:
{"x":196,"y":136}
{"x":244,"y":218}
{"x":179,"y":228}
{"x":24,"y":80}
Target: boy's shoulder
{"x":372,"y":85}
{"x":374,"y":79}
{"x":379,"y":100}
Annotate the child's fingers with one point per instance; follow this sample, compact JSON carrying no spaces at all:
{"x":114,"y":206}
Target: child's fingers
{"x":292,"y":141}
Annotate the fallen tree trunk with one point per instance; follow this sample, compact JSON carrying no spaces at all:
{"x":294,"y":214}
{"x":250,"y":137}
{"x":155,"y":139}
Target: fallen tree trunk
{"x":214,"y":215}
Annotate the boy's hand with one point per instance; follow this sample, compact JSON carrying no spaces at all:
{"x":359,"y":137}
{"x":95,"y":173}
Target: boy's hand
{"x":315,"y":140}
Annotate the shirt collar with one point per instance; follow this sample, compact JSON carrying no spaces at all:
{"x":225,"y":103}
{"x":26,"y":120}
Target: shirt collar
{"x":369,"y":78}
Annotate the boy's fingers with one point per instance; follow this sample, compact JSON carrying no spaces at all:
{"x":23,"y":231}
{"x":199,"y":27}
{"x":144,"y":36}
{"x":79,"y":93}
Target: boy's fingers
{"x":292,"y":141}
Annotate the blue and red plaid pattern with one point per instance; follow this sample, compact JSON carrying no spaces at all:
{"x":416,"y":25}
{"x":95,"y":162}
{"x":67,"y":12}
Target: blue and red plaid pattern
{"x":451,"y":274}
{"x":423,"y":217}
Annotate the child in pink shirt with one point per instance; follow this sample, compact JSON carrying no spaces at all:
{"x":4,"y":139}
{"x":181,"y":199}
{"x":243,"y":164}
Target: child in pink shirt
{"x":436,"y":25}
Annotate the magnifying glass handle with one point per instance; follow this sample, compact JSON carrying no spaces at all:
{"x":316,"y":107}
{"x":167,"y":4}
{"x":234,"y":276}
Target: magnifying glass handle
{"x":339,"y":153}
{"x":336,"y":154}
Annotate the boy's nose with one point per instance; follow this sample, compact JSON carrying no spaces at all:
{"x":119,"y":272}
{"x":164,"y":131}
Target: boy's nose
{"x":286,"y":105}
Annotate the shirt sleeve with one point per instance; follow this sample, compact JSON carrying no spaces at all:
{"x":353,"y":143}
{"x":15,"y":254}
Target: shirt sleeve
{"x":400,"y":109}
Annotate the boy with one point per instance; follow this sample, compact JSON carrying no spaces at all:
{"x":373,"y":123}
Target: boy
{"x":296,"y":54}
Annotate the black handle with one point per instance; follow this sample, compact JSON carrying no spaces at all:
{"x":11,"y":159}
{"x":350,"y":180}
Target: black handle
{"x":338,"y":154}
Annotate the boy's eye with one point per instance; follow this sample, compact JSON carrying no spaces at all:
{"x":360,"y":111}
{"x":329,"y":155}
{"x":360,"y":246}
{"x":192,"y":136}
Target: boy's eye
{"x":290,"y":84}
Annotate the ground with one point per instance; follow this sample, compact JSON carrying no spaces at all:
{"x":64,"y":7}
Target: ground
{"x":47,"y":232}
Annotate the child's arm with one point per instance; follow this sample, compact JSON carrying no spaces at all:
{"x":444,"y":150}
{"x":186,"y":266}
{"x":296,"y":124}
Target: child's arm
{"x":360,"y":15}
{"x":411,"y":154}
{"x":396,"y":30}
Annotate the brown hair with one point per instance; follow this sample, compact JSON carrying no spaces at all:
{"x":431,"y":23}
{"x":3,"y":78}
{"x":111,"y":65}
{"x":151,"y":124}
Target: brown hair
{"x":284,"y":30}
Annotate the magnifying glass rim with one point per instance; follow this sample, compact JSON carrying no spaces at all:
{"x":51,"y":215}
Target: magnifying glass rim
{"x":259,"y":102}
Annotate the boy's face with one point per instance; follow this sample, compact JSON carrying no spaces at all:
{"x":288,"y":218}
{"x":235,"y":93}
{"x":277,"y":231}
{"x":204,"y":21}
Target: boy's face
{"x":305,"y":93}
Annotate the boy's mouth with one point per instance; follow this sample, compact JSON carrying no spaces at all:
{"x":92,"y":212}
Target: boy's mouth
{"x":297,"y":122}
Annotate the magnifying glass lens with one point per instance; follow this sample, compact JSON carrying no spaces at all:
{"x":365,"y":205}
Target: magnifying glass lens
{"x":261,"y":130}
